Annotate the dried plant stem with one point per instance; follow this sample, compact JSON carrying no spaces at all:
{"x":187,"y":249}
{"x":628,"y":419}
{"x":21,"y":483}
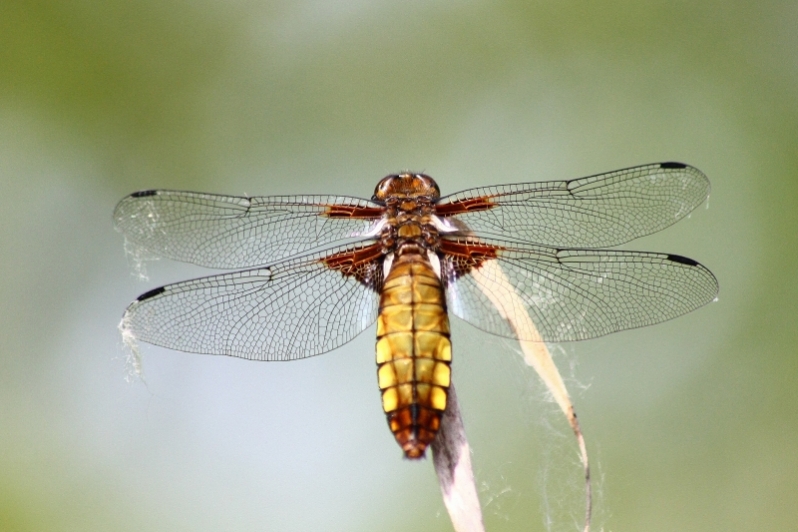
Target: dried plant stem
{"x":498,"y":289}
{"x":451,"y":456}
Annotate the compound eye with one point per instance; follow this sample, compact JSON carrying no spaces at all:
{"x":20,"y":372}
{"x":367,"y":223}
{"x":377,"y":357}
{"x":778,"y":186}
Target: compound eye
{"x":429,"y":185}
{"x":381,"y":191}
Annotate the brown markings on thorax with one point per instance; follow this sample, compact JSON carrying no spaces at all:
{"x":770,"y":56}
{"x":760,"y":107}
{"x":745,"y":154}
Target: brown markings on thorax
{"x":408,"y":221}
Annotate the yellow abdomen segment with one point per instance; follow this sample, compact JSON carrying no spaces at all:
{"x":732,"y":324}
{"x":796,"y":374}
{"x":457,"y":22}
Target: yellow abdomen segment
{"x":413,"y":353}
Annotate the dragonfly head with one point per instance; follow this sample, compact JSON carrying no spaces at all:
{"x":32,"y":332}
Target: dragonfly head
{"x":406,"y":186}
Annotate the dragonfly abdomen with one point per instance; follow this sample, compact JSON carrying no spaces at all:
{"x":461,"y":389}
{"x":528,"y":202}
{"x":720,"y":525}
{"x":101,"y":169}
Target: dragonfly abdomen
{"x":414,"y":352}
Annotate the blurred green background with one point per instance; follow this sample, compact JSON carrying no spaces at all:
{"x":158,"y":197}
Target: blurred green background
{"x":691,"y":424}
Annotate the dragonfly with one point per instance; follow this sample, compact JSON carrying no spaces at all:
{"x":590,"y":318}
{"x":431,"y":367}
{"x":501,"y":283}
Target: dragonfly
{"x":311,"y":272}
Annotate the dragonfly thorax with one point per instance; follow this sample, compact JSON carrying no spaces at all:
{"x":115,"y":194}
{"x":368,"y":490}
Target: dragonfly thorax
{"x":408,"y":220}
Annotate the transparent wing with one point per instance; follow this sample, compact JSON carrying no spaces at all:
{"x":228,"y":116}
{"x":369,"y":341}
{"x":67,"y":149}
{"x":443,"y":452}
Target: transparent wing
{"x":573,"y":294}
{"x":603,"y":210}
{"x":293,"y":309}
{"x":231,"y":232}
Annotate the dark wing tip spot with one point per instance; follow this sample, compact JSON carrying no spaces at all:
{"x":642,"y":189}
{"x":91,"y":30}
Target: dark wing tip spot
{"x":152,"y":293}
{"x":682,"y":260}
{"x":673,"y":165}
{"x":143,"y":193}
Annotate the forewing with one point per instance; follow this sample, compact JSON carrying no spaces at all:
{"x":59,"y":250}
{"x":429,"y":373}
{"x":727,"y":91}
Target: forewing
{"x":294,"y":309}
{"x":602,"y":210}
{"x":570,"y":294}
{"x":231,"y":232}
